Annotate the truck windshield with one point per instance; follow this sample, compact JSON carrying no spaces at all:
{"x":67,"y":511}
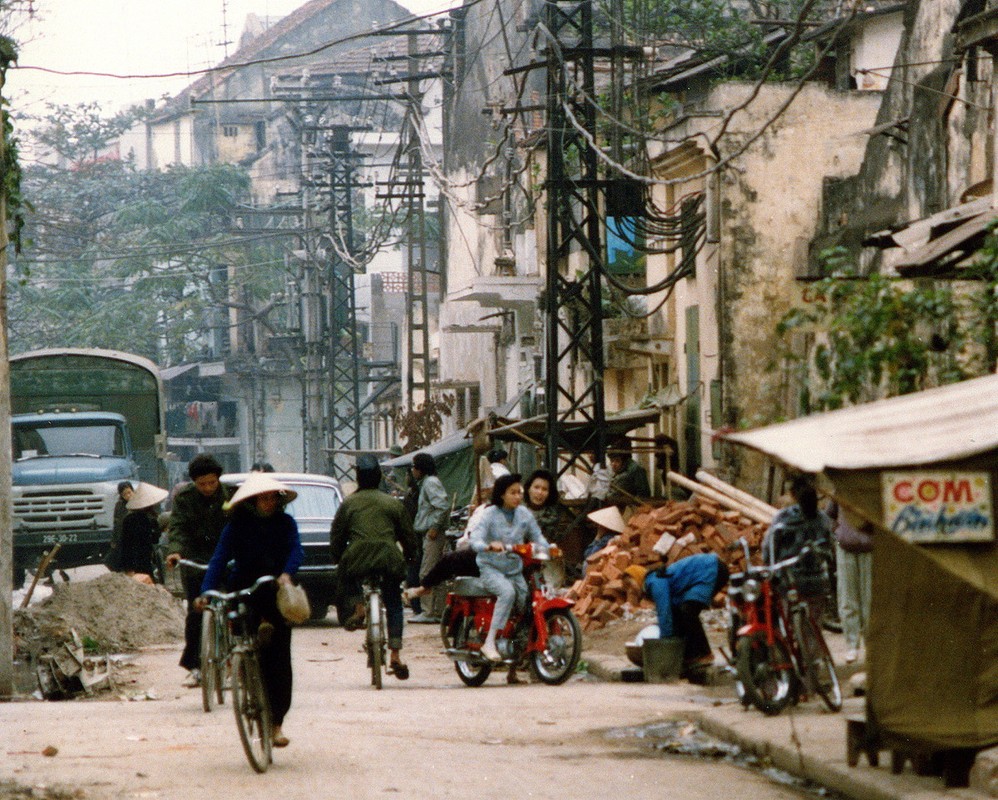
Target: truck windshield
{"x":40,"y":441}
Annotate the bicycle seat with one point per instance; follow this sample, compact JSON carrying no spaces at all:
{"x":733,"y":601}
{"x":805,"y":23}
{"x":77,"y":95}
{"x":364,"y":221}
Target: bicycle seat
{"x":470,"y":587}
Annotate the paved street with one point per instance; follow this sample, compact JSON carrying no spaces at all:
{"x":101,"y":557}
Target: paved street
{"x":428,"y":737}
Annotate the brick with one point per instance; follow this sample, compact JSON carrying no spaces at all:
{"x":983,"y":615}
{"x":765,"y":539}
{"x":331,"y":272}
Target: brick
{"x":622,"y":560}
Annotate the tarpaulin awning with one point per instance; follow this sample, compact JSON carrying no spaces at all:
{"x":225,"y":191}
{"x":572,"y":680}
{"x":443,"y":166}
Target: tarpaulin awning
{"x":576,"y":431}
{"x":951,"y":422}
{"x":444,"y":447}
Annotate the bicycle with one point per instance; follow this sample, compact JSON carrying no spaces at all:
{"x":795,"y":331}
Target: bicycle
{"x":216,"y":642}
{"x":375,"y":642}
{"x":779,"y":649}
{"x":249,"y":697}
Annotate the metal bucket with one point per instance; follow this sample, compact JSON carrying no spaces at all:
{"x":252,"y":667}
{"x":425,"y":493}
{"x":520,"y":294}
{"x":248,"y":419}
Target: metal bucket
{"x":662,"y":659}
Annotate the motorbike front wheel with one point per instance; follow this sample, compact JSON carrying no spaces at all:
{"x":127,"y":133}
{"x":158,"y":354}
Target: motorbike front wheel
{"x":558,"y":660}
{"x":765,"y":672}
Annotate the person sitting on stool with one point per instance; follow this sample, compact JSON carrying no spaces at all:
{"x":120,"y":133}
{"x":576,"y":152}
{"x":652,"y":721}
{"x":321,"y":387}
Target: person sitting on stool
{"x":681,"y":591}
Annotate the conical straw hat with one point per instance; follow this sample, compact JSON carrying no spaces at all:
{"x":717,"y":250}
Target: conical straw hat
{"x":146,"y":495}
{"x":609,"y":518}
{"x":261,"y":483}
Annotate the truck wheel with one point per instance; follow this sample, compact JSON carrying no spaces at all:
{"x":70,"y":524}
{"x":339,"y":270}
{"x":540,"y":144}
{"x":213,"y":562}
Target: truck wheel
{"x":18,"y":575}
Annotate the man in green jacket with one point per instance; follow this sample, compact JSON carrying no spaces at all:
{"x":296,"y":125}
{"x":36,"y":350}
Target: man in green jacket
{"x":364,"y":538}
{"x":196,"y":522}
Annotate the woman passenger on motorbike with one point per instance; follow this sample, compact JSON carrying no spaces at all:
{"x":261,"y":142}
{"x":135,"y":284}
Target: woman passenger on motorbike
{"x":505,"y":523}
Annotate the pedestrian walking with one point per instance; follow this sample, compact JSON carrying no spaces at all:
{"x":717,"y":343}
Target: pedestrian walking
{"x":854,"y":579}
{"x":140,"y":532}
{"x":432,"y":509}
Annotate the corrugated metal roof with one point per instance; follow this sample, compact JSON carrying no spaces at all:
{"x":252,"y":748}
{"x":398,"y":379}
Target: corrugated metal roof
{"x":950,"y":422}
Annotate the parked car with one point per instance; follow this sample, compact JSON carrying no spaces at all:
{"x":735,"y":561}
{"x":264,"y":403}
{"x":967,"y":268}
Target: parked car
{"x":313,"y":509}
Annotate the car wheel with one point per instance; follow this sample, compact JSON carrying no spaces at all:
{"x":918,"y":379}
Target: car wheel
{"x":320,"y":610}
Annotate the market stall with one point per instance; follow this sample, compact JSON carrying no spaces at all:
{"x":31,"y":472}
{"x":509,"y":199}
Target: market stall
{"x":922,"y":469}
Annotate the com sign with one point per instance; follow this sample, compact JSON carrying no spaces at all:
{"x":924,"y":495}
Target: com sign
{"x":932,"y":507}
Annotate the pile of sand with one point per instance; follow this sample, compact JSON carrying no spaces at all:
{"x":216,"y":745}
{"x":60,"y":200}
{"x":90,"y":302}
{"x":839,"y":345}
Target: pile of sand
{"x":114,"y":611}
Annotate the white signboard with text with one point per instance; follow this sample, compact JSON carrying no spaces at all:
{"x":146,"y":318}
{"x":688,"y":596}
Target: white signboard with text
{"x":933,"y":507}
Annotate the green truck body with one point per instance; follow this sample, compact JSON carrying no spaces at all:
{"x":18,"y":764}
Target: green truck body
{"x":82,"y":421}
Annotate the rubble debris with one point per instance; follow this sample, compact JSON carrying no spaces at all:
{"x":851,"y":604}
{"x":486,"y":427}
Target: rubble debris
{"x":655,"y":536}
{"x":63,"y":641}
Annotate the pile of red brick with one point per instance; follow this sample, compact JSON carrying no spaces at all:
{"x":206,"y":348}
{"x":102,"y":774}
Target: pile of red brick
{"x":657,"y":536}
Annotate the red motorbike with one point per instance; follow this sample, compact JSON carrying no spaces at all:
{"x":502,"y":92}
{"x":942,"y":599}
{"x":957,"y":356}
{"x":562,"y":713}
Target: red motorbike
{"x":780,"y":654}
{"x":546,"y":636}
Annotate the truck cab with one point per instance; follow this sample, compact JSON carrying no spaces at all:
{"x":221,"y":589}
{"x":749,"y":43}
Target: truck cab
{"x":65,"y":473}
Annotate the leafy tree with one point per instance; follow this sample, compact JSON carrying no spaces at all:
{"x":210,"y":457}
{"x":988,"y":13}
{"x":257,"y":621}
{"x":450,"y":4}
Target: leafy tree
{"x":422,"y":425}
{"x":735,"y":29}
{"x":877,"y":336}
{"x":128,"y":259}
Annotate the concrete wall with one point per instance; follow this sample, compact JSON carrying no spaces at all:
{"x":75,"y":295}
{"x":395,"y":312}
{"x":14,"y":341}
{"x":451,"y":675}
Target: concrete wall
{"x":874,"y":48}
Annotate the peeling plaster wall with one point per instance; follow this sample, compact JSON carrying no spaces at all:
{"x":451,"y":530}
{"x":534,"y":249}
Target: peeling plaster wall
{"x":770,"y":201}
{"x":499,"y":363}
{"x":946,"y":148}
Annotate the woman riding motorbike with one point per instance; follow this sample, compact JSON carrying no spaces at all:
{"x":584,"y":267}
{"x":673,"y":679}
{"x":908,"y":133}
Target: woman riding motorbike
{"x":505,"y":523}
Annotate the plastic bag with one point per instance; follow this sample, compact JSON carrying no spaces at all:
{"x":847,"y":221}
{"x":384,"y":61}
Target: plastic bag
{"x":293,"y":604}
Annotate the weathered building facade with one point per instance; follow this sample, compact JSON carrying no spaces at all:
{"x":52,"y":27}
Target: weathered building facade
{"x":298,"y":94}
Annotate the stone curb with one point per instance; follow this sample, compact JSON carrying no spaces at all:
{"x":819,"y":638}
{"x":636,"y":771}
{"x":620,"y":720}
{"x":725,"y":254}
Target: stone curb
{"x":848,"y":781}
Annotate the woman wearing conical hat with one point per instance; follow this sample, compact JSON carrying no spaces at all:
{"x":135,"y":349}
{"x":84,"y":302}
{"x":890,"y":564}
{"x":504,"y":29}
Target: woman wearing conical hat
{"x":140,"y":532}
{"x":262,"y":539}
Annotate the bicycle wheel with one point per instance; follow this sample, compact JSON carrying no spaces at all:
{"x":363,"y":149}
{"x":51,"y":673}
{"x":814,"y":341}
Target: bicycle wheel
{"x":223,"y":644}
{"x":375,"y":638}
{"x":249,"y":702}
{"x":209,"y":659}
{"x":766,"y":673}
{"x":816,"y":661}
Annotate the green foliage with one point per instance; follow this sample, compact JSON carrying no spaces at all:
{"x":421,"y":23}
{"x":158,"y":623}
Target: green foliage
{"x":139,"y":261}
{"x":80,"y":133}
{"x":713,"y":28}
{"x":10,"y":165}
{"x":984,"y":303}
{"x":878,"y":336}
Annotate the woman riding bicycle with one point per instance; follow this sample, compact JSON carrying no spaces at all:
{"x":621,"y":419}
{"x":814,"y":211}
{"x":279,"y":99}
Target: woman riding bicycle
{"x":363,"y":539}
{"x":262,"y":539}
{"x":505,"y":523}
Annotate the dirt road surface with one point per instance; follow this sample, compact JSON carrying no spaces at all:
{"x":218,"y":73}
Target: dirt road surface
{"x":427,"y":737}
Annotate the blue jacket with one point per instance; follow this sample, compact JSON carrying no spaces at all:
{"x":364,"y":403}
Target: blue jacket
{"x":689,"y":579}
{"x":258,"y":545}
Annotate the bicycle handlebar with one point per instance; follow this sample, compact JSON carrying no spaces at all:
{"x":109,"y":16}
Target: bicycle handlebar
{"x":228,"y":596}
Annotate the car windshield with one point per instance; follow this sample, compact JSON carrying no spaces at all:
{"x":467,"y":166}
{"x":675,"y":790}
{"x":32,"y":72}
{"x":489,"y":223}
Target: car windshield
{"x":314,"y":502}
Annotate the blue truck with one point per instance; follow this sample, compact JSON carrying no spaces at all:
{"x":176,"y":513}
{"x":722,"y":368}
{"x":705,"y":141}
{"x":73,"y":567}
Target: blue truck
{"x":83,"y":420}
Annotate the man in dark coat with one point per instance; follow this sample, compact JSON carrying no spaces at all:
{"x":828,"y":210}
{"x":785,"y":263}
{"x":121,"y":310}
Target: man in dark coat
{"x":364,"y":538}
{"x":196,"y":522}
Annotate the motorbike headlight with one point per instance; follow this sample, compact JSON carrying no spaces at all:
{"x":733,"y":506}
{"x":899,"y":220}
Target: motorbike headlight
{"x":751,"y":590}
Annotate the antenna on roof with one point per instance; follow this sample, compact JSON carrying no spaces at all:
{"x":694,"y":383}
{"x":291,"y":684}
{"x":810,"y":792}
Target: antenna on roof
{"x":225,"y":28}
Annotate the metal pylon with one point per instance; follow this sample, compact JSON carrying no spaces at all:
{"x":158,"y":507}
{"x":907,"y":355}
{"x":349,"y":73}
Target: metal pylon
{"x":418,"y":306}
{"x":345,"y":346}
{"x":573,"y":297}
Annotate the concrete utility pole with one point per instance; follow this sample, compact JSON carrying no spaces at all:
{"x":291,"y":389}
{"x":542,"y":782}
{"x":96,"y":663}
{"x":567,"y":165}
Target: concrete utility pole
{"x":6,"y":531}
